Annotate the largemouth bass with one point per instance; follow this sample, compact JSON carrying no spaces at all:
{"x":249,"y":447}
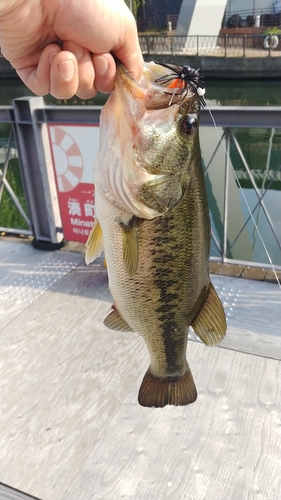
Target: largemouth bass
{"x":153,"y":224}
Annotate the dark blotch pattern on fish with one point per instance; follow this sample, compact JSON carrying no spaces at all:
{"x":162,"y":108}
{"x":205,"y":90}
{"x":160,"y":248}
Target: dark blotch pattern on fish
{"x":170,"y":294}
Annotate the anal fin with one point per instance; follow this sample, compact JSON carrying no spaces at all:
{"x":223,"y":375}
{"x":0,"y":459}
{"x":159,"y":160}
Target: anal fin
{"x":115,"y":322}
{"x":94,"y":244}
{"x":210,"y":324}
{"x":130,"y":245}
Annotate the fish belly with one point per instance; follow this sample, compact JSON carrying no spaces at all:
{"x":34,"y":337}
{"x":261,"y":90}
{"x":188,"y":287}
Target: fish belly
{"x":165,"y":294}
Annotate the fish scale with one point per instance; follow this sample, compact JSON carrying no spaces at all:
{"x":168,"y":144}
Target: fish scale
{"x":157,"y":265}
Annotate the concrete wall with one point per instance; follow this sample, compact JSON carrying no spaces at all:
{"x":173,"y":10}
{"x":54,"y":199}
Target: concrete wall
{"x":207,"y":17}
{"x":229,"y":68}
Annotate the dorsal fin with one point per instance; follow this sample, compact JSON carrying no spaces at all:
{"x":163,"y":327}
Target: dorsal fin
{"x":94,"y":244}
{"x":130,"y":245}
{"x":210,"y":324}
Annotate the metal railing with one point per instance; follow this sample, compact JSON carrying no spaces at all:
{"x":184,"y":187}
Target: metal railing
{"x":8,"y":152}
{"x":224,"y":173}
{"x":247,"y":192}
{"x":248,"y":18}
{"x":219,"y":46}
{"x":4,"y":183}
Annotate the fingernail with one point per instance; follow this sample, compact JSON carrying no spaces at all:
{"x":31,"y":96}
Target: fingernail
{"x":79,"y":53}
{"x":101,"y":64}
{"x":51,"y":57}
{"x":66,"y":70}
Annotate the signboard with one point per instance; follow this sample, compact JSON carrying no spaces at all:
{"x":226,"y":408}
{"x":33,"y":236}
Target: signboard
{"x":74,"y":148}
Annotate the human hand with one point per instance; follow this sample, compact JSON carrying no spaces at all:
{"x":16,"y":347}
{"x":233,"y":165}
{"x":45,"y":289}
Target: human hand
{"x":65,"y":47}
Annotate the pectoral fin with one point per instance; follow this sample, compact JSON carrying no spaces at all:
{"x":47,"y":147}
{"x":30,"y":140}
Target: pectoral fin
{"x":115,"y":322}
{"x":130,"y":246}
{"x":94,"y":245}
{"x":210,"y":324}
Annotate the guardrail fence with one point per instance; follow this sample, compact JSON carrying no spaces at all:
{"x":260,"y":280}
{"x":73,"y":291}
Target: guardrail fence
{"x":220,"y":46}
{"x":11,"y":193}
{"x":234,"y":234}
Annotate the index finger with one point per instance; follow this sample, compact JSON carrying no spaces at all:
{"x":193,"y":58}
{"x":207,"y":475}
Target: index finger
{"x":129,"y":53}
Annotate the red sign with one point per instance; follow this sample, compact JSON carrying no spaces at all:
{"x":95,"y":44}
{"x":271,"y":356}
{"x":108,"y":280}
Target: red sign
{"x":77,"y":212}
{"x":74,"y":148}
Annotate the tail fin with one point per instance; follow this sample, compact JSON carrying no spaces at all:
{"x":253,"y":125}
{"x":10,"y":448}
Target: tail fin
{"x":158,"y":392}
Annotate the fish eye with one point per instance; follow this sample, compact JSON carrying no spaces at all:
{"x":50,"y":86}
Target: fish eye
{"x":189,"y":124}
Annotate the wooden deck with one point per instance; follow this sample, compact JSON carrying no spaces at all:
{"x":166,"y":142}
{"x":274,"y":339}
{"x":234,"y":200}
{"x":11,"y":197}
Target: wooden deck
{"x":71,"y":427}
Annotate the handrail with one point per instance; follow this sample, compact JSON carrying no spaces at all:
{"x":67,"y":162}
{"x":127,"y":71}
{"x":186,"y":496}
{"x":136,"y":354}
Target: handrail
{"x":225,"y":116}
{"x":225,"y":45}
{"x":228,"y":119}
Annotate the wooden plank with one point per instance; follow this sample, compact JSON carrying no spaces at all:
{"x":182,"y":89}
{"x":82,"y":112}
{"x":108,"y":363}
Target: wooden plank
{"x":243,"y":271}
{"x":254,"y":273}
{"x":214,"y":267}
{"x":8,"y":493}
{"x":224,"y":446}
{"x":64,"y":375}
{"x":271,"y":276}
{"x":74,"y":246}
{"x":233,"y":270}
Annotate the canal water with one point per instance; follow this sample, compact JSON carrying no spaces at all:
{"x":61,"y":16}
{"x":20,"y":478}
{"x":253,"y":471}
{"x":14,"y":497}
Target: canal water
{"x":218,"y":92}
{"x":261,"y":148}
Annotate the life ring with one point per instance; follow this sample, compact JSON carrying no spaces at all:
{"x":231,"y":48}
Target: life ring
{"x":67,"y":158}
{"x":270,"y":41}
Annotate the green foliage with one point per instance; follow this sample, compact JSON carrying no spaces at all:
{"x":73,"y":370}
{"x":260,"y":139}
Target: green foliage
{"x":272,"y":31}
{"x":134,"y":5}
{"x":9,"y":214}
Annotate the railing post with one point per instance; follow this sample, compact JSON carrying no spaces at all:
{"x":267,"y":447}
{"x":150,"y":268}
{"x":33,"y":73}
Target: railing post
{"x":197,"y":48}
{"x":225,"y":45}
{"x":226,"y":182}
{"x":37,"y":173}
{"x":6,"y":164}
{"x":244,"y":45}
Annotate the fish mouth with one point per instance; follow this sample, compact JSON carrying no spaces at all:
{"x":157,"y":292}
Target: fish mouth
{"x":154,"y":96}
{"x":126,"y":80}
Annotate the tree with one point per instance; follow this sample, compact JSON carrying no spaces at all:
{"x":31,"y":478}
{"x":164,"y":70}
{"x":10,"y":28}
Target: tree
{"x":134,"y":6}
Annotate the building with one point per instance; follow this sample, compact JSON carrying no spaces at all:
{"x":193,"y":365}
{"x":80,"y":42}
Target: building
{"x":200,"y":17}
{"x":206,"y":17}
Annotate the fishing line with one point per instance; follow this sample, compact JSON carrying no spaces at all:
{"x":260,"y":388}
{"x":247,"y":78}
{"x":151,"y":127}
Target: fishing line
{"x":265,"y":175}
{"x":245,"y":199}
{"x":186,"y":78}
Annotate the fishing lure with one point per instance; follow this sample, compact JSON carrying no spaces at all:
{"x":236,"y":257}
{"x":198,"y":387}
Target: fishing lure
{"x":183,"y":78}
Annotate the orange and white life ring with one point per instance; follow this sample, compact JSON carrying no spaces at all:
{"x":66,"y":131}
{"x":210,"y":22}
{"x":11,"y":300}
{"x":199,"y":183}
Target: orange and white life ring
{"x":68,"y":160}
{"x":271,"y":41}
